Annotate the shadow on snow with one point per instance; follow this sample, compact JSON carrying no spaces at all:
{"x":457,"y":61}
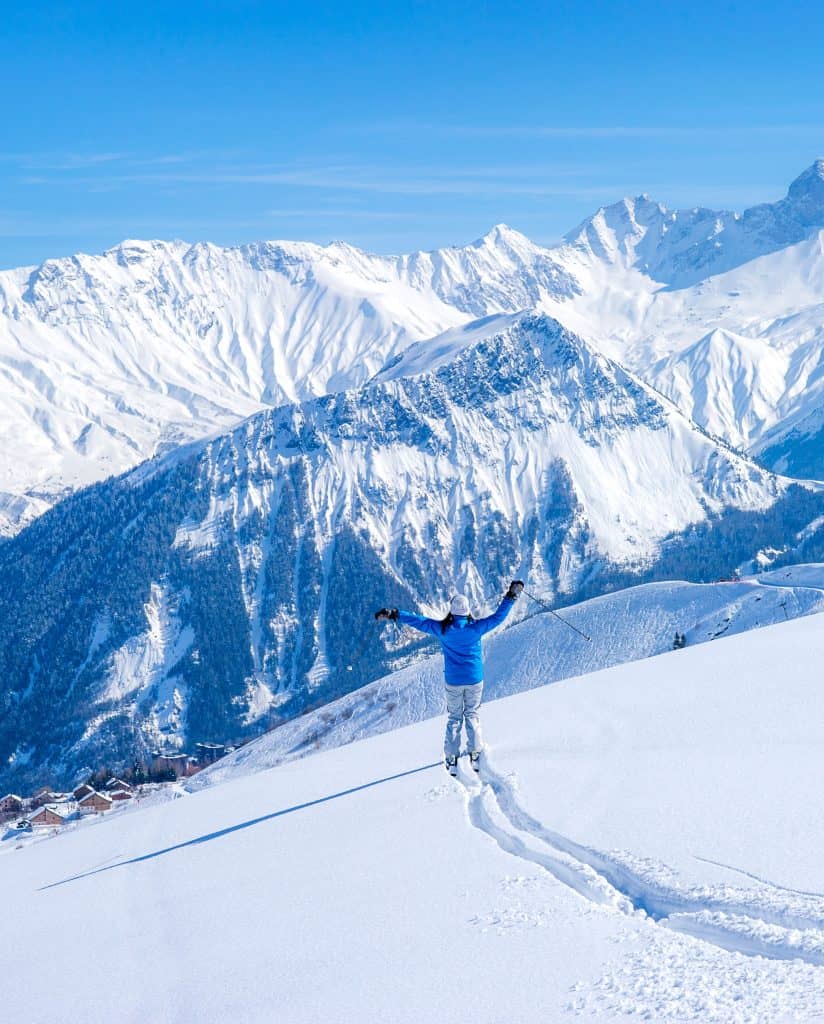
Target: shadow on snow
{"x":242,"y":825}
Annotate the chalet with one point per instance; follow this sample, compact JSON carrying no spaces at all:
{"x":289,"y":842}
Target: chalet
{"x":46,"y":817}
{"x":44,"y":796}
{"x":82,"y":790}
{"x":93,"y":802}
{"x":113,"y":784}
{"x":208,"y":752}
{"x":119,"y":795}
{"x":11,"y":804}
{"x":178,"y":764}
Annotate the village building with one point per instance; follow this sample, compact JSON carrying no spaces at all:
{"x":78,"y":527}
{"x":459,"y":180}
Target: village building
{"x":93,"y":802}
{"x":208,"y":752}
{"x":113,"y":784}
{"x":11,"y":804}
{"x":46,"y":817}
{"x":83,"y":790}
{"x":43,"y":796}
{"x":176,"y":764}
{"x":119,"y":795}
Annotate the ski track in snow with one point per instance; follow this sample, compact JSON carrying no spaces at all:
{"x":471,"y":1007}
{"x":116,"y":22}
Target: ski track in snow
{"x":754,"y":922}
{"x":758,"y":878}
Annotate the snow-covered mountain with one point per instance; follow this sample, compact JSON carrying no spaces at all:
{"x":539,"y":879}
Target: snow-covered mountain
{"x":106,"y":360}
{"x":681,"y":248}
{"x":723,"y":312}
{"x":643,"y":844}
{"x":231,"y":583}
{"x":408,"y":445}
{"x":423,"y":433}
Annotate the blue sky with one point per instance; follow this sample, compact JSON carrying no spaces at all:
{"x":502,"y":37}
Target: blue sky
{"x":393,"y":126}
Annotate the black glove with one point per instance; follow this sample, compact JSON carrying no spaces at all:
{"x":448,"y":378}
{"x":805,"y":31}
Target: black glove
{"x":387,"y":613}
{"x":515,"y":588}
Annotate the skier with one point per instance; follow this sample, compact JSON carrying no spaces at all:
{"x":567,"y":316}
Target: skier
{"x":460,"y":637}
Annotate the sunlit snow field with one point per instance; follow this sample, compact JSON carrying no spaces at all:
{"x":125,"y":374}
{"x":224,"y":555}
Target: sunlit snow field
{"x":642,"y":840}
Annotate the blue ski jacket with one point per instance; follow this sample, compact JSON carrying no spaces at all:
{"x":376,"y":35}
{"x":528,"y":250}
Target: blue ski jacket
{"x":460,"y":641}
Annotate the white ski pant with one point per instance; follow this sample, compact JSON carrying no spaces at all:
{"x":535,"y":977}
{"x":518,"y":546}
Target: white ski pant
{"x":462,"y":703}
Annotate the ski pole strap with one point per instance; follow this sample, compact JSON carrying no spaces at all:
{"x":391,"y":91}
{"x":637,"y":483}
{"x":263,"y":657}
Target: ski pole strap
{"x":552,"y":611}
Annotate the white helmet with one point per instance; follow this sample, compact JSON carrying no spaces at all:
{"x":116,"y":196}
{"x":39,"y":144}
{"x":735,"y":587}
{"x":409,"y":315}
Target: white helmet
{"x":459,"y":605}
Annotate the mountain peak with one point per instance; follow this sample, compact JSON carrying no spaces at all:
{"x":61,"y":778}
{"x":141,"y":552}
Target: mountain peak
{"x":812,"y":174}
{"x":503,"y":234}
{"x":806,"y":194}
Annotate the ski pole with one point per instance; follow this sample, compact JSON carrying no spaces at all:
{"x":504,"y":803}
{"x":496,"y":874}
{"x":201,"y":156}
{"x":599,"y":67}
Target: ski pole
{"x":545,"y":606}
{"x":360,"y":652}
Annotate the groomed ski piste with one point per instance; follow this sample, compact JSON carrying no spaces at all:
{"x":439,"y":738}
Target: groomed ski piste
{"x":643,"y":842}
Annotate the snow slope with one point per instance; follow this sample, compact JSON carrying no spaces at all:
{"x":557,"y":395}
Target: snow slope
{"x":632,"y":624}
{"x":644,"y":841}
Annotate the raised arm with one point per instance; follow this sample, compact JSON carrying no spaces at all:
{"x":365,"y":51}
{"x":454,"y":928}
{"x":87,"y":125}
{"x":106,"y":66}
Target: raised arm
{"x":419,"y":622}
{"x":504,"y":608}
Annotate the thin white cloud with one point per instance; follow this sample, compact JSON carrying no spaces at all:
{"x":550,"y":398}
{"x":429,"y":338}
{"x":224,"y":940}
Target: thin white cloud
{"x":345,"y":212}
{"x":475,"y":182}
{"x":75,"y":161}
{"x":60,"y":161}
{"x":475,"y":185}
{"x":30,"y":226}
{"x":593,"y":132}
{"x":80,"y":161}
